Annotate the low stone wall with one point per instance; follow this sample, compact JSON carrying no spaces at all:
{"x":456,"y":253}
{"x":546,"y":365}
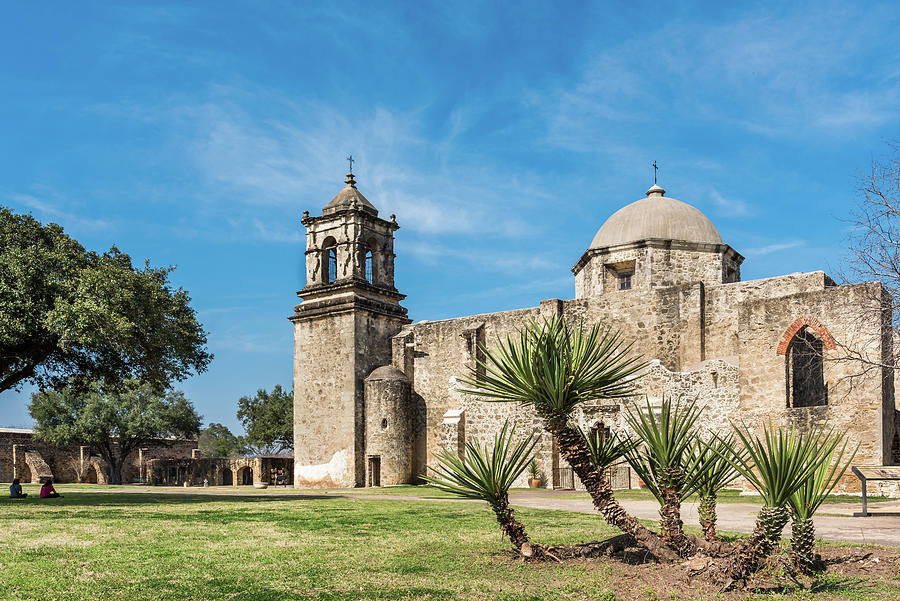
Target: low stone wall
{"x":32,"y":460}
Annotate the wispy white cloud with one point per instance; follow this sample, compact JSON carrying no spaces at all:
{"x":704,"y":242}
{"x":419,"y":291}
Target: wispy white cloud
{"x":774,"y":248}
{"x":295,"y":159}
{"x":564,"y":286}
{"x":732,"y":207}
{"x":52,"y":206}
{"x":520,"y":263}
{"x":770,"y":75}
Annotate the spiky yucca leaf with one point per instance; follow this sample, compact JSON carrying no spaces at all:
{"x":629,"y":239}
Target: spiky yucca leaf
{"x":605,"y":451}
{"x":663,"y":457}
{"x":778,"y":463}
{"x":554,"y":368}
{"x":707,"y":470}
{"x":484,"y":473}
{"x":822,"y":481}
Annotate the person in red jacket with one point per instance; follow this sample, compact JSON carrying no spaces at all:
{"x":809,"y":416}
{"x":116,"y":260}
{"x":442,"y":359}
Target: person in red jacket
{"x":47,"y":490}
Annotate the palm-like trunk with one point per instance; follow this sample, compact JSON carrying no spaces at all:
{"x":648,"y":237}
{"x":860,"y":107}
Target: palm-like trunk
{"x":508,"y":523}
{"x":707,"y":512}
{"x":574,"y":450}
{"x":751,"y":552}
{"x":670,"y":524}
{"x":803,"y":539}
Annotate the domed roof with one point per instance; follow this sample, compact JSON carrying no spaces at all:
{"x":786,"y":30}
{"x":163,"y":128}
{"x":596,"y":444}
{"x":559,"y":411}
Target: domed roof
{"x":387,"y":372}
{"x":656,"y":216}
{"x":349,"y":198}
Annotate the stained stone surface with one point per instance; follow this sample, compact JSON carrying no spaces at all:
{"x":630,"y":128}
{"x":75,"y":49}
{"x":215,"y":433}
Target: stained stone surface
{"x":705,"y":335}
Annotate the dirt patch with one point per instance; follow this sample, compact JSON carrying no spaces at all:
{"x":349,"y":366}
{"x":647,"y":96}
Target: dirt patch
{"x":851,"y":573}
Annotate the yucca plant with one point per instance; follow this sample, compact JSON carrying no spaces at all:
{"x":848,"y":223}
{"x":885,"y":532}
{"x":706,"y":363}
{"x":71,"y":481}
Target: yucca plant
{"x":555,"y":368}
{"x":807,"y":500}
{"x":487,"y":474}
{"x":605,"y":450}
{"x":662,"y":460}
{"x":777,"y":465}
{"x":708,"y":473}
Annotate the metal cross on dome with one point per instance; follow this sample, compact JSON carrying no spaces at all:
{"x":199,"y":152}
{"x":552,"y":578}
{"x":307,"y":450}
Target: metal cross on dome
{"x":655,"y":169}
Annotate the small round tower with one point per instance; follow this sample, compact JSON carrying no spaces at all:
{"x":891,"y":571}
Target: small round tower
{"x":389,"y":428}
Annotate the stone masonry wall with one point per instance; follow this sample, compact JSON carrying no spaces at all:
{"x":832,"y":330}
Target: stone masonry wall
{"x":717,"y":343}
{"x":389,"y":423}
{"x":334,"y":354}
{"x":437,"y":356}
{"x":858,"y":399}
{"x":63,"y":459}
{"x":724,"y":303}
{"x":325,"y":400}
{"x":656,"y":263}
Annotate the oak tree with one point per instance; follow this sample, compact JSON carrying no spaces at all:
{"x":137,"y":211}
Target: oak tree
{"x":113,"y":421}
{"x":268,"y":419}
{"x":69,"y":317}
{"x":216,"y":440}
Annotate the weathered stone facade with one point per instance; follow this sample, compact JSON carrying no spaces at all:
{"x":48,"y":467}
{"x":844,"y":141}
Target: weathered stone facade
{"x":793,"y":348}
{"x":271,"y":470}
{"x":342,"y":332}
{"x":32,"y":460}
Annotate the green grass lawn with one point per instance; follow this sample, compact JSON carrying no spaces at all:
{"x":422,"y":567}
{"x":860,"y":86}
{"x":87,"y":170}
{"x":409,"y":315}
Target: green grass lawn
{"x":428,"y":492}
{"x":136,"y":546}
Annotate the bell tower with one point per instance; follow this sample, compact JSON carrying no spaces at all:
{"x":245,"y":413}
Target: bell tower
{"x":343,"y":326}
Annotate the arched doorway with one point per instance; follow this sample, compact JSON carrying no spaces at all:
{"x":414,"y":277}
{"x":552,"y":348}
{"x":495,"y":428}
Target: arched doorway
{"x":227,"y":479}
{"x":245,"y":476}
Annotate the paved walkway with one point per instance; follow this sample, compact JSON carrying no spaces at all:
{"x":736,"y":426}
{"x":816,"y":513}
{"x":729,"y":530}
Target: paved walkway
{"x":833,"y":522}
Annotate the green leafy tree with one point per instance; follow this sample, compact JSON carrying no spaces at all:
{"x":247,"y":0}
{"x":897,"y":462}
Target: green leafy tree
{"x":114,"y":421}
{"x":268,"y":419}
{"x":71,"y":317}
{"x":487,"y":474}
{"x":217,"y":440}
{"x":555,"y":369}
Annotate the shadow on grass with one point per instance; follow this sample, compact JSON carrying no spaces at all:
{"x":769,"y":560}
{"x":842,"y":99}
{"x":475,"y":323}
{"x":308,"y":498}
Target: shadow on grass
{"x":89,"y":499}
{"x":830,"y":584}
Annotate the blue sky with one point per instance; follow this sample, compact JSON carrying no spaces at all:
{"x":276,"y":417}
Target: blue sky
{"x":501,"y":134}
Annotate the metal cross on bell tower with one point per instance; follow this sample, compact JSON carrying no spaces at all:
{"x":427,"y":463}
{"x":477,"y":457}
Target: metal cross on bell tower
{"x":350,"y":160}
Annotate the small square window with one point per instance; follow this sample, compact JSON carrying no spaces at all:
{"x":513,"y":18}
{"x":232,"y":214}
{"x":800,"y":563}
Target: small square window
{"x":623,"y":280}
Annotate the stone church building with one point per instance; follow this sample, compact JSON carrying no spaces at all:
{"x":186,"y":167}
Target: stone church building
{"x":375,"y":396}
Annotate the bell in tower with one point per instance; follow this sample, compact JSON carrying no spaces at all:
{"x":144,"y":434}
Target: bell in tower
{"x":350,"y":309}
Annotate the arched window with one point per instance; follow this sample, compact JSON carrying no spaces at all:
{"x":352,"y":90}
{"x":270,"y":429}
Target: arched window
{"x":369,"y":260}
{"x":329,"y":267}
{"x":367,"y":263}
{"x":805,"y":370}
{"x":332,"y":264}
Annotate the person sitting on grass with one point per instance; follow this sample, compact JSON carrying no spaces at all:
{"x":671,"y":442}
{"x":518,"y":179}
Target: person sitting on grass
{"x":47,"y":490}
{"x":15,"y":490}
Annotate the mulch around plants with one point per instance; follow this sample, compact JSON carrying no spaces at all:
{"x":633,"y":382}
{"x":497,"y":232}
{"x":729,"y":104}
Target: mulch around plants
{"x":851,"y":573}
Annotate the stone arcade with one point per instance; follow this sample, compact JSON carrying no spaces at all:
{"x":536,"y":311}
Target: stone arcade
{"x":376,"y":395}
